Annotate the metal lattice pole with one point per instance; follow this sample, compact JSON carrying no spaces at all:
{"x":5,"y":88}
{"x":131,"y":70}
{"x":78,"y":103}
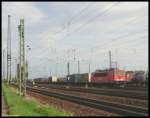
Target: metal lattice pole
{"x":16,"y":72}
{"x":4,"y":64}
{"x":19,"y":70}
{"x":18,"y":77}
{"x":26,"y":70}
{"x":78,"y":67}
{"x":26,"y":74}
{"x":22,"y":57}
{"x":9,"y":51}
{"x":110,"y":59}
{"x":68,"y":66}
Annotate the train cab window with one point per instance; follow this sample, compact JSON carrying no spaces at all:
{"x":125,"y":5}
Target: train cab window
{"x":120,"y":72}
{"x":100,"y":74}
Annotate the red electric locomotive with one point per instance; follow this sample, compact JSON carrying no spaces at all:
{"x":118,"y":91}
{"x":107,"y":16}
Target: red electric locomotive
{"x":109,"y":76}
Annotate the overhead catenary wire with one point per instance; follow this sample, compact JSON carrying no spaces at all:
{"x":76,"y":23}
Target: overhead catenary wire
{"x":92,"y":19}
{"x":125,"y":24}
{"x":120,"y":27}
{"x":69,"y":22}
{"x":130,"y":21}
{"x":126,"y":42}
{"x":135,"y":39}
{"x":113,"y":40}
{"x":122,"y":46}
{"x":67,"y":34}
{"x":78,"y":14}
{"x":88,"y":22}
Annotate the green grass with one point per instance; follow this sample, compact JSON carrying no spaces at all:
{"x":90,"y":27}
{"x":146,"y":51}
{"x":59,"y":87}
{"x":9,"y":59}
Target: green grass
{"x":21,"y":107}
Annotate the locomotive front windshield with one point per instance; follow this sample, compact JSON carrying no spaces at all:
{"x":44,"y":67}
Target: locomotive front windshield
{"x":100,"y":74}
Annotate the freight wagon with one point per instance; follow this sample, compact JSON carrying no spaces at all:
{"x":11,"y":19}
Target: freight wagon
{"x":78,"y":78}
{"x":52,"y":79}
{"x":73,"y":78}
{"x":62,"y":79}
{"x":82,"y":78}
{"x":139,"y":79}
{"x":139,"y":76}
{"x":41,"y":80}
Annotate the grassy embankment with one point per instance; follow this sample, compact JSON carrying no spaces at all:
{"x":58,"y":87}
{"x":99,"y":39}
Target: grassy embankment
{"x":22,"y":107}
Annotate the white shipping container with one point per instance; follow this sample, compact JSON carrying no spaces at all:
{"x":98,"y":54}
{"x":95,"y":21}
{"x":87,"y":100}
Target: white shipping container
{"x":54,"y":79}
{"x":89,"y":79}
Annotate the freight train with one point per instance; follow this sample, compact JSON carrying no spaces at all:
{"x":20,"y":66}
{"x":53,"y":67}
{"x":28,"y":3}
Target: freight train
{"x":99,"y":76}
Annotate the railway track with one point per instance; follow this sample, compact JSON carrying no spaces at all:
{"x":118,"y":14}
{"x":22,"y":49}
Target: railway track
{"x":123,"y":110}
{"x":108,"y":92}
{"x":126,"y":87}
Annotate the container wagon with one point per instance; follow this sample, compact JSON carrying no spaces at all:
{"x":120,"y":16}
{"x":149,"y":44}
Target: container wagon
{"x":78,"y":78}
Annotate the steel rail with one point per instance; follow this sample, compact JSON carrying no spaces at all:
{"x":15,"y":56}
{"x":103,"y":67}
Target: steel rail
{"x":141,"y":96}
{"x":122,"y":110}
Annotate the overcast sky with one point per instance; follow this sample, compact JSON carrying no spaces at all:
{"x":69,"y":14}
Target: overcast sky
{"x":59,"y":31}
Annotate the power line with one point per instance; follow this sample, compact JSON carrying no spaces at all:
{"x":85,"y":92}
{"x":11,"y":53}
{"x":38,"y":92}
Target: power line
{"x":115,"y":39}
{"x":120,"y":38}
{"x":79,"y":13}
{"x":117,"y":47}
{"x":69,"y":22}
{"x":122,"y":44}
{"x":134,"y":41}
{"x":100,"y":14}
{"x":126,"y":41}
{"x":85,"y":7}
{"x":126,"y":24}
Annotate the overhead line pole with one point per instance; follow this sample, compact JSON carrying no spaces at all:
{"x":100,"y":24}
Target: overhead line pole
{"x":78,"y":67}
{"x":68,"y":66}
{"x":22,"y":58}
{"x":89,"y":68}
{"x":20,"y":90}
{"x":110,"y":59}
{"x":27,"y":62}
{"x":9,"y":52}
{"x":16,"y":78}
{"x":4,"y":64}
